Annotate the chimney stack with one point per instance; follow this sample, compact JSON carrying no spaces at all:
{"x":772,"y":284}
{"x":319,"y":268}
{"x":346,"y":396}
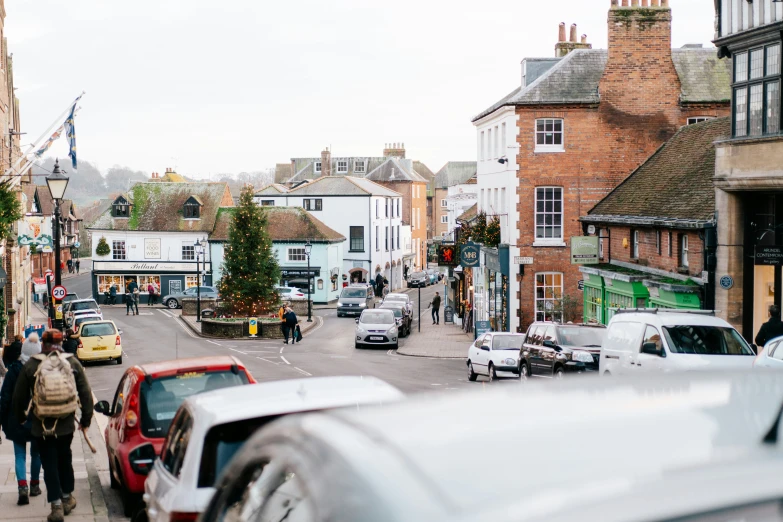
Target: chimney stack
{"x":326,"y":162}
{"x":564,"y":47}
{"x":394,"y":150}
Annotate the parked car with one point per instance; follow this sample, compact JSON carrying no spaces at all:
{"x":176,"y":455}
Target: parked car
{"x":146,"y":400}
{"x":82,"y":318}
{"x":70,"y":297}
{"x":434,"y":275}
{"x":354,"y":299}
{"x":400,"y":298}
{"x":210,"y":429}
{"x":401,"y":316}
{"x":418,"y":280}
{"x":289,"y":293}
{"x":658,"y":340}
{"x":80,"y":306}
{"x":494,"y":352}
{"x":770,"y":355}
{"x":175,"y":300}
{"x":407,"y":462}
{"x":98,"y":340}
{"x":553,"y":350}
{"x":377,"y":327}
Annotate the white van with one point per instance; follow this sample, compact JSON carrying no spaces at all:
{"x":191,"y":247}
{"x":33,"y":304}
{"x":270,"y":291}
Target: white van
{"x":661,"y":340}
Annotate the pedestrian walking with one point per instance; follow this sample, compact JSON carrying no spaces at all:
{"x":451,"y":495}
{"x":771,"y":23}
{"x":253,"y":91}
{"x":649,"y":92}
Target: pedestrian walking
{"x":76,"y":264}
{"x":113,"y":294}
{"x":71,"y":342}
{"x":50,"y":374}
{"x":62,"y":265}
{"x":19,"y":434}
{"x":150,"y":294}
{"x":378,"y":284}
{"x":31,"y":346}
{"x":771,"y":329}
{"x":289,"y":324}
{"x":436,"y":308}
{"x":128,"y":304}
{"x":70,"y":266}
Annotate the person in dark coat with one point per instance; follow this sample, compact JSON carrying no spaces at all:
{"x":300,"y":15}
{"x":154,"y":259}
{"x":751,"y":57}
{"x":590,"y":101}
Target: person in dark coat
{"x":771,"y":329}
{"x":436,"y":308}
{"x":289,"y":325}
{"x":378,"y":285}
{"x":113,"y":294}
{"x":77,"y":264}
{"x":71,"y":342}
{"x":17,"y":433}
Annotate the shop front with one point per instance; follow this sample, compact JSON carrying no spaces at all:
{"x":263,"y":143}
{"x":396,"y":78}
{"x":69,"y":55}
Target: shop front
{"x":299,"y":277}
{"x":491,"y":288}
{"x":169,"y":277}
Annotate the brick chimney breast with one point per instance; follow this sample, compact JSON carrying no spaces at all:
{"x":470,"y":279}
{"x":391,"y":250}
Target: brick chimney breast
{"x":394,"y":150}
{"x":564,"y":47}
{"x":326,"y":162}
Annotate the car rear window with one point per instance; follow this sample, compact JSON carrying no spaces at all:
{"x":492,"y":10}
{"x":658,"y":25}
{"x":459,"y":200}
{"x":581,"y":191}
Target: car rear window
{"x":397,"y":310}
{"x":161,"y":398}
{"x":354,"y":292}
{"x":98,"y":329}
{"x":583,"y":336}
{"x":84,"y":305}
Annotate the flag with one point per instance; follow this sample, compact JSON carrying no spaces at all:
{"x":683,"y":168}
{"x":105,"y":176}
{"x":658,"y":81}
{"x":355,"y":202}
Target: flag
{"x":48,"y":143}
{"x":70,"y":132}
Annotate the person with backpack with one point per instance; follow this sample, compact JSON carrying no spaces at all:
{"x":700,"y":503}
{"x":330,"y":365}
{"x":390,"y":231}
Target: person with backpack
{"x":17,"y":433}
{"x":52,"y":386}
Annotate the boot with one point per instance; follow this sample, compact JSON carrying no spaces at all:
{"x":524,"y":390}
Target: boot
{"x":35,"y":488}
{"x":24,"y":497}
{"x":69,"y":504}
{"x":57,"y":514}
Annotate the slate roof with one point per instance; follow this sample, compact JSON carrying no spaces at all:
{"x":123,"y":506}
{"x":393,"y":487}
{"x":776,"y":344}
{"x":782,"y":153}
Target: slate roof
{"x":283,"y":171}
{"x":574,"y":79}
{"x":305,"y":167}
{"x":675,"y":183}
{"x":273,"y":189}
{"x":395,"y":169}
{"x":158,"y":206}
{"x":423,"y":170}
{"x":455,"y":173}
{"x":290,"y":224}
{"x":470,"y":214}
{"x":342,"y":186}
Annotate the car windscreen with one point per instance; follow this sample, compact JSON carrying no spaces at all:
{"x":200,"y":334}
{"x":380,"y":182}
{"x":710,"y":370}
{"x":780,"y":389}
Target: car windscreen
{"x":397,"y":310}
{"x":705,"y":340}
{"x":354,"y":292}
{"x":399,"y":298}
{"x":84,"y":318}
{"x":585,"y":336}
{"x":83,"y":305}
{"x":160,"y":398}
{"x":373,"y":317}
{"x":98,"y":329}
{"x":220,"y":445}
{"x":507,"y":342}
{"x":419,"y":275}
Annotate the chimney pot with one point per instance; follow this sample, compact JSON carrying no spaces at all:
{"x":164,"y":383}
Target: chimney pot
{"x":573,"y":33}
{"x":562,"y":36}
{"x":584,"y":38}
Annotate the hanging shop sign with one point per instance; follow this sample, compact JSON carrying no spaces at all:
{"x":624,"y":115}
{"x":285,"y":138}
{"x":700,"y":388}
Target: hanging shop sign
{"x":469,"y":254}
{"x":769,"y":255}
{"x":447,"y":255}
{"x":584,"y":250}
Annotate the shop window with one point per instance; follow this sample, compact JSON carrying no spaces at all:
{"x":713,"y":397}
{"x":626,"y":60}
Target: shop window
{"x":118,"y":250}
{"x":549,"y":214}
{"x":188,"y":252}
{"x":549,"y":135}
{"x":145,"y":280}
{"x":549,"y":290}
{"x":684,"y":250}
{"x":106,"y":281}
{"x":615,"y":301}
{"x":191,"y":281}
{"x":592,"y":304}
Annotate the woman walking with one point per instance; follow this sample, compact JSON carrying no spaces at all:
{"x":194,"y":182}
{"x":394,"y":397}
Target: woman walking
{"x":31,"y":346}
{"x":19,"y":434}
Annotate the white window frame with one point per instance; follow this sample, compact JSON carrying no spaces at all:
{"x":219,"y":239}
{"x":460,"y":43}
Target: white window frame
{"x":191,"y":281}
{"x":360,"y":166}
{"x":192,"y":252}
{"x":489,"y":143}
{"x":342,"y":166}
{"x":444,"y":203}
{"x":444,"y":219}
{"x":317,"y":167}
{"x":296,"y":255}
{"x":554,"y":147}
{"x":549,"y":241}
{"x":684,"y":249}
{"x":698,"y":119}
{"x":503,"y":140}
{"x":119,"y":250}
{"x":634,"y":244}
{"x":497,"y":142}
{"x":544,"y":312}
{"x":482,"y":145}
{"x":377,"y":238}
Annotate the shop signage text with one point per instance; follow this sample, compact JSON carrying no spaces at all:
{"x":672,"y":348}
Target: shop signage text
{"x":469,"y":254}
{"x":161,"y":266}
{"x":151,"y":248}
{"x":523,"y":260}
{"x":769,"y":255}
{"x":584,"y":250}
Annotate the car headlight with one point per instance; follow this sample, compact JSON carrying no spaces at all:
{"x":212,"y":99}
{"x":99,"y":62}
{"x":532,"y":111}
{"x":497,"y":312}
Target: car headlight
{"x":510,"y":362}
{"x":359,"y":329}
{"x":362,"y":305}
{"x":579,"y":356}
{"x":393,"y":330}
{"x":340,"y":304}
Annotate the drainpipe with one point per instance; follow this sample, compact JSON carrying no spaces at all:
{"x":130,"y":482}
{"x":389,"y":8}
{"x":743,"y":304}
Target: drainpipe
{"x":710,"y":238}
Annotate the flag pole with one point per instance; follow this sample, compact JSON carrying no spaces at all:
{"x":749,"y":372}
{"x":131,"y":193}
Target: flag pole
{"x":17,"y":179}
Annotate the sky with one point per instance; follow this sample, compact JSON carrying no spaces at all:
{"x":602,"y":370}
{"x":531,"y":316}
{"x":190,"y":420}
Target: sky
{"x":211,"y":87}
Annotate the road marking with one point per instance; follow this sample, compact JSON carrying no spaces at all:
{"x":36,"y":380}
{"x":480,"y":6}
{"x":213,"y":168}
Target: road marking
{"x":213,"y":342}
{"x":238,"y":351}
{"x":285,"y":360}
{"x":267,"y":360}
{"x":252,"y":351}
{"x":167,"y":314}
{"x":303,"y":372}
{"x":436,"y":384}
{"x":187,"y":330}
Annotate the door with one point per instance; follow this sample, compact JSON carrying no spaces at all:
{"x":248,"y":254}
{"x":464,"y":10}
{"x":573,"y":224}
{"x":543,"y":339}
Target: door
{"x":168,"y":468}
{"x":482,"y":358}
{"x":115,"y":426}
{"x":534,"y":346}
{"x":646,"y":362}
{"x":547,"y":354}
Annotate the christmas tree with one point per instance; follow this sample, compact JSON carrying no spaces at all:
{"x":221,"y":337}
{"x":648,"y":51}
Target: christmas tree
{"x":103,"y":247}
{"x":250,"y":269}
{"x":492,"y":233}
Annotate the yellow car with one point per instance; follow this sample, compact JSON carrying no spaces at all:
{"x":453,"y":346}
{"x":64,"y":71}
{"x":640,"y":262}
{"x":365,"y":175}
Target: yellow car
{"x":99,"y":340}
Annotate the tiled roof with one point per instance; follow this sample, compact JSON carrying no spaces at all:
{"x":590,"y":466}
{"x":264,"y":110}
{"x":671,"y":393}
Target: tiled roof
{"x":284,"y":224}
{"x":674,"y":183}
{"x":395,"y":169}
{"x":274,"y":189}
{"x":305,"y":167}
{"x":455,"y":173}
{"x":423,"y":170}
{"x":575,"y":78}
{"x":470,"y":214}
{"x":342,"y":186}
{"x":158,"y":206}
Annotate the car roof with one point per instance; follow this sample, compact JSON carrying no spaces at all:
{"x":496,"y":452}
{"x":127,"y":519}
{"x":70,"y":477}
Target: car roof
{"x":670,"y":319}
{"x":97,"y":321}
{"x":397,"y":294}
{"x":289,"y":396}
{"x":614,"y":432}
{"x":83,"y":300}
{"x":190,"y":363}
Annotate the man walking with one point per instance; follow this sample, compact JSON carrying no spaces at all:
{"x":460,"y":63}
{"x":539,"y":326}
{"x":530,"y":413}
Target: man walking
{"x":436,"y":308}
{"x":70,"y":266}
{"x":771,"y":329}
{"x":76,"y":264}
{"x":53,"y":421}
{"x":378,"y":285}
{"x":289,"y":325}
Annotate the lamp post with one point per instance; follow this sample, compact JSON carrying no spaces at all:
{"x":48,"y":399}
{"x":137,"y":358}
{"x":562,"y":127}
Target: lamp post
{"x":57,"y":184}
{"x":309,"y":248}
{"x":199,"y":252}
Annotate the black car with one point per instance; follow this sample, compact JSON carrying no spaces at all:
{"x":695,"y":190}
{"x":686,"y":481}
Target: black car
{"x":418,"y":280}
{"x":552,"y":349}
{"x":401,"y":316}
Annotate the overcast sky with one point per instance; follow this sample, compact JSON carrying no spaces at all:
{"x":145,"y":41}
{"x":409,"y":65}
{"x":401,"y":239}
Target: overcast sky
{"x":233,"y":85}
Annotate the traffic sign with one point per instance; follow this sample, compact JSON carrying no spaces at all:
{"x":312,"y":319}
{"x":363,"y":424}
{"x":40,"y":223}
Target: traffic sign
{"x":59,"y":292}
{"x":580,"y":285}
{"x":253,"y":326}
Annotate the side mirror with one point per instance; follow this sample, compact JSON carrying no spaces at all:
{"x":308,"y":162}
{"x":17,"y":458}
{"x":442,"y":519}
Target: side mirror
{"x":103,"y":407}
{"x":652,"y":349}
{"x":549,"y":344}
{"x":485,"y":347}
{"x":357,"y":320}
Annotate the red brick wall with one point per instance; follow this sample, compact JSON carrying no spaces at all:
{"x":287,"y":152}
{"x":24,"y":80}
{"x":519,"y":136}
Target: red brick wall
{"x":648,"y":252}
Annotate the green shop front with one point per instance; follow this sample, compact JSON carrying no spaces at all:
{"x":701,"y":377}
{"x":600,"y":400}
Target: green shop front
{"x":608,"y":288}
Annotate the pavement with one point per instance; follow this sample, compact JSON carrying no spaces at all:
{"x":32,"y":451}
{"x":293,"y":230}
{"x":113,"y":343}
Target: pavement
{"x":444,"y":341}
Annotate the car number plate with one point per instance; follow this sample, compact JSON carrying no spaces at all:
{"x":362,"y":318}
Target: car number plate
{"x":100,"y":348}
{"x":376,"y":338}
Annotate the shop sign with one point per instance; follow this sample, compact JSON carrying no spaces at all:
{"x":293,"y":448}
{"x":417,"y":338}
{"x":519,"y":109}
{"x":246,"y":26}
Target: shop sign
{"x":518,"y":260}
{"x":447,"y":255}
{"x":151,"y":248}
{"x":584,"y":250}
{"x":766,"y":255}
{"x":300,"y":272}
{"x":481,"y":328}
{"x":469,"y":254}
{"x":159,"y":266}
{"x":580,"y":285}
{"x":175,"y":286}
{"x":491,"y":261}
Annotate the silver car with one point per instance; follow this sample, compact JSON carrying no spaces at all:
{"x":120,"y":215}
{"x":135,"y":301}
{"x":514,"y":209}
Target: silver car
{"x":400,"y":298}
{"x":377,"y":327}
{"x":175,"y":300}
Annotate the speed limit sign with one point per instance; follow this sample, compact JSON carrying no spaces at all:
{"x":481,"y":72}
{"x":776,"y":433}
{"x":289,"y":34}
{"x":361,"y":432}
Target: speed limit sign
{"x":59,"y":292}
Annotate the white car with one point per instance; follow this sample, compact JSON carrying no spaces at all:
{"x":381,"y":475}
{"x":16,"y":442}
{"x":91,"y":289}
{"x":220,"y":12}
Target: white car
{"x":659,"y":340}
{"x":210,"y":427}
{"x":770,"y":355}
{"x":494,"y":352}
{"x":81,"y":307}
{"x":400,"y":298}
{"x":289,"y":293}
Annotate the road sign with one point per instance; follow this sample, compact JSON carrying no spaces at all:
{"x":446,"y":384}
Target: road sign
{"x":58,"y":312}
{"x":59,"y":292}
{"x":523,"y":260}
{"x":253,"y":326}
{"x":77,"y":244}
{"x":580,"y":285}
{"x":469,"y":254}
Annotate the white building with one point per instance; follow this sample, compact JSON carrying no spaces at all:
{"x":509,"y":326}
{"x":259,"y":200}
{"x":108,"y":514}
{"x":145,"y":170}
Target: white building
{"x":368,"y":214}
{"x":460,"y":198}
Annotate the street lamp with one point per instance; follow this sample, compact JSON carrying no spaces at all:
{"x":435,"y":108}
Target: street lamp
{"x":199,"y":247}
{"x":57,"y":184}
{"x":309,"y":248}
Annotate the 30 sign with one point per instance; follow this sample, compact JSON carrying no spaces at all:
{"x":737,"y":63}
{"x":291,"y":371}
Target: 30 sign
{"x":447,"y":255}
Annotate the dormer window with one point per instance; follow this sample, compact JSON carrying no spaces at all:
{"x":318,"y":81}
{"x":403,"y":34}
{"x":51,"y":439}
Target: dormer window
{"x":120,"y":208}
{"x":192,"y":208}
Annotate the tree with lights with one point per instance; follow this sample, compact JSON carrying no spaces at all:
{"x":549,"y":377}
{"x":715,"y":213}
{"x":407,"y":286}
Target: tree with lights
{"x":492,"y":233}
{"x":250,"y":269}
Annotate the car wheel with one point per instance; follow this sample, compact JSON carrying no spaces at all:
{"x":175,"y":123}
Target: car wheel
{"x":130,"y":502}
{"x":119,"y":359}
{"x":172,"y":303}
{"x":357,"y":346}
{"x":491,"y":373}
{"x":471,"y":374}
{"x":114,"y":483}
{"x":524,"y":371}
{"x":339,"y":314}
{"x":559,"y":372}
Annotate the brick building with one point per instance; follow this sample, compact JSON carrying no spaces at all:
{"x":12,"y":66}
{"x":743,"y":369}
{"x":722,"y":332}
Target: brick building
{"x":583,"y":122}
{"x":658,"y":230}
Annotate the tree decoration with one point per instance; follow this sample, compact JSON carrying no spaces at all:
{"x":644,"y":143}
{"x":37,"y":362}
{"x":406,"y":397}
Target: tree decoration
{"x":250,"y":269}
{"x":492,"y":233}
{"x":10,"y":209}
{"x":103,"y":247}
{"x":479,"y":228}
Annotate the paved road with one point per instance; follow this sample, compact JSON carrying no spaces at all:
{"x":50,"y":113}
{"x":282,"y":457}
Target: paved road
{"x":157,"y":334}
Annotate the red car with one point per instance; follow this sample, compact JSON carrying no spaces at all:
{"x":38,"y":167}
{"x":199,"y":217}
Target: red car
{"x":144,"y":405}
